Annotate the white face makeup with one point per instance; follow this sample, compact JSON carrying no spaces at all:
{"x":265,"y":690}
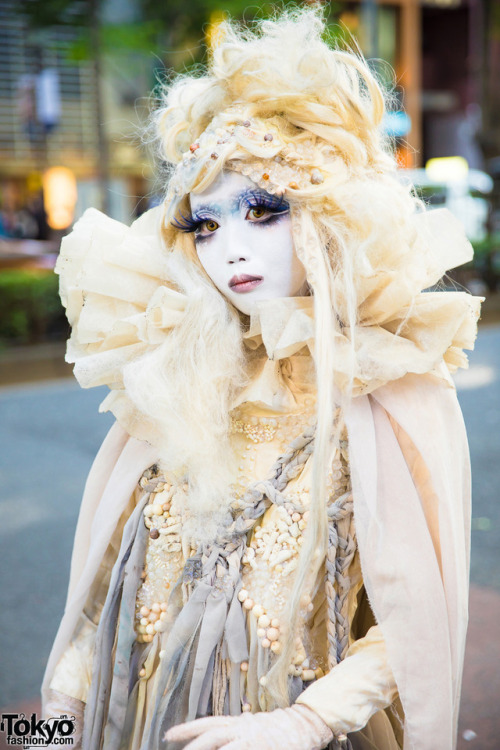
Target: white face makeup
{"x":244,"y":241}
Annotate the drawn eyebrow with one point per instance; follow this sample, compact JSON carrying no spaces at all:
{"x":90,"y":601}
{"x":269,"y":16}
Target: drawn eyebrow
{"x":237,"y":201}
{"x":214,"y":208}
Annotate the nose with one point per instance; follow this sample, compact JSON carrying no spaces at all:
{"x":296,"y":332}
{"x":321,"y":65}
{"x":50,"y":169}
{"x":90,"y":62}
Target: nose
{"x":237,"y":248}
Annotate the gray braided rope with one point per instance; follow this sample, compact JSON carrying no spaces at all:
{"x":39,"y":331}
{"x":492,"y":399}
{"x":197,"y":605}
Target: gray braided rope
{"x":246,"y":511}
{"x":264,"y":493}
{"x":341,"y":549}
{"x":345,"y":554}
{"x":251,"y":507}
{"x":337,"y":582}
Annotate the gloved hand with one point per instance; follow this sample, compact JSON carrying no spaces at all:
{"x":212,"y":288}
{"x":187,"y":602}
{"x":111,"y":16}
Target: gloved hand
{"x":58,"y":704}
{"x":296,"y":728}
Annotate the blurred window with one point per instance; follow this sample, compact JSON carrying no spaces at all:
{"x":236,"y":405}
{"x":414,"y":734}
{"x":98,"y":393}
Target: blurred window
{"x":25,"y":141}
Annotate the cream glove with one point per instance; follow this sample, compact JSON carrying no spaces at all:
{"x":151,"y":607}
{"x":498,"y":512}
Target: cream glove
{"x":58,"y":704}
{"x":296,"y":728}
{"x":362,"y":684}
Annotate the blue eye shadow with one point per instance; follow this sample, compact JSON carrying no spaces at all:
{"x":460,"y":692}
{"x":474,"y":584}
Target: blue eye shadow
{"x":249,"y":198}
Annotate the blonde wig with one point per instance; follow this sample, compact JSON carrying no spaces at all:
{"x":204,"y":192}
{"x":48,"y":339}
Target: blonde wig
{"x":305,"y":121}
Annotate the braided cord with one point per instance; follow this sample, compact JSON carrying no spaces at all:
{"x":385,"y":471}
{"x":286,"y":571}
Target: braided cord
{"x":345,"y":553}
{"x":340,"y":554}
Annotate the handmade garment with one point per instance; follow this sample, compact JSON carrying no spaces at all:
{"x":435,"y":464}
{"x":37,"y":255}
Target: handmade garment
{"x":184,"y":613}
{"x":409,"y":470}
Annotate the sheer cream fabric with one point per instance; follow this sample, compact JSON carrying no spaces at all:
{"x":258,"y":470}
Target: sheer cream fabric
{"x":408,"y":450}
{"x":366,"y":683}
{"x":121,"y":304}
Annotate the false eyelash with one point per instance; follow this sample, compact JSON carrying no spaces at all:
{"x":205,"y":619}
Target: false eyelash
{"x":256,"y":199}
{"x":265,"y":200}
{"x":186,"y":223}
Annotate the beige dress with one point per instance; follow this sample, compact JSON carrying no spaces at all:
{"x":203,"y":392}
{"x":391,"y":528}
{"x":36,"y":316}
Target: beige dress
{"x":260,"y":435}
{"x":408,"y":467}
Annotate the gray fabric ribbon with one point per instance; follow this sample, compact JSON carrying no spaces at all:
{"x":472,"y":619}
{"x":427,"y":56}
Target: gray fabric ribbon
{"x":186,"y":696}
{"x":118,"y":611}
{"x":210,"y":625}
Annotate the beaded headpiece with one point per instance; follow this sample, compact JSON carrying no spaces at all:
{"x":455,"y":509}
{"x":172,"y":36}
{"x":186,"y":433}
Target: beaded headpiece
{"x":278,"y":165}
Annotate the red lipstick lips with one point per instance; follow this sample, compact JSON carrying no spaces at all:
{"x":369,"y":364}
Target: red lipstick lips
{"x":244,"y":283}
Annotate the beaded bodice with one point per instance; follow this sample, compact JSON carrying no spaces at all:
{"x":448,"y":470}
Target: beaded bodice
{"x":270,"y":555}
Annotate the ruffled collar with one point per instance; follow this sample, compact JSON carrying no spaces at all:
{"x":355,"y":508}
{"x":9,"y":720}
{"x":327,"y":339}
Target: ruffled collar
{"x":120,"y":305}
{"x":284,"y":326}
{"x":435,"y":326}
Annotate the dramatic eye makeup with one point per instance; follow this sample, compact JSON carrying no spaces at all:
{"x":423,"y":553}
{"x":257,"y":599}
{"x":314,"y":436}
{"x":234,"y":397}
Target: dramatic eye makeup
{"x":262,"y":208}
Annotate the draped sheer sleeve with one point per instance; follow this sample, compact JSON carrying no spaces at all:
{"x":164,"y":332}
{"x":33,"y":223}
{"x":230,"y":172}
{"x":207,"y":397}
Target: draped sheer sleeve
{"x":411,"y":484}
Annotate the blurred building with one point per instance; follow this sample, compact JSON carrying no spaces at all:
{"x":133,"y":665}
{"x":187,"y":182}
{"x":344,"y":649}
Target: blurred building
{"x":49,"y":117}
{"x":446,"y":57}
{"x":445,"y":54}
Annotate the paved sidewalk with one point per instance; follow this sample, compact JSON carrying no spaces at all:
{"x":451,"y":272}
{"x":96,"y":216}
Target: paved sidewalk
{"x":481,"y":684}
{"x":479,"y":715}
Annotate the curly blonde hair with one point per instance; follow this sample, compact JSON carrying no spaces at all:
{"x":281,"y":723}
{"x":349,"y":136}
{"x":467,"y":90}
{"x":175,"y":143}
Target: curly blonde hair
{"x":277,"y":101}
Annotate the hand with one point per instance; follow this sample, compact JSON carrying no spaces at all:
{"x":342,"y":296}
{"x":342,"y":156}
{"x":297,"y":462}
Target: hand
{"x":296,"y":728}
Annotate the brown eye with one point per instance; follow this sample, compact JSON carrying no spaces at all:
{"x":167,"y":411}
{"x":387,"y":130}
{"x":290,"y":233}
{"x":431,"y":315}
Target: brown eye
{"x":258,"y":212}
{"x":210,"y":225}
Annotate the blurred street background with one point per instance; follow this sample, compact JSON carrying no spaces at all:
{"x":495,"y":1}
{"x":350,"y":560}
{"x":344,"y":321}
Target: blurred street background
{"x":78,"y":79}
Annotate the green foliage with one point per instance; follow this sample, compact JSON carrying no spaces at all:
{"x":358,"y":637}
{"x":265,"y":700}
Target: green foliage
{"x":485,"y":247}
{"x":30,"y":308}
{"x":174,"y":31}
{"x":124,"y":37}
{"x":54,"y":12}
